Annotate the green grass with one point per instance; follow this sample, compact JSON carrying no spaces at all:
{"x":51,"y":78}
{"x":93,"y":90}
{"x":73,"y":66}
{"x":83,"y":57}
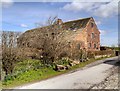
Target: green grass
{"x":29,"y":76}
{"x":31,"y":71}
{"x":28,"y":71}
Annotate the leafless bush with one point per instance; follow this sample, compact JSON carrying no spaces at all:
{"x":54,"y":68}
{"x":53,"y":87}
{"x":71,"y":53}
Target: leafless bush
{"x":58,"y":43}
{"x":9,"y":52}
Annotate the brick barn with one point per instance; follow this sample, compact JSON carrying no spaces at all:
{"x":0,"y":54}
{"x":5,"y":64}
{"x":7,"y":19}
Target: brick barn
{"x":83,"y":31}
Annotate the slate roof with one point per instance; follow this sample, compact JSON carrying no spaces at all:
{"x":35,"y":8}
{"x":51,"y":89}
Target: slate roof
{"x":76,"y":24}
{"x":70,"y":25}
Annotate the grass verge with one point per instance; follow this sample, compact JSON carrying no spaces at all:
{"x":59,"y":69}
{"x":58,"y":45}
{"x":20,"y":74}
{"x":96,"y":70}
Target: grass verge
{"x":35,"y":75}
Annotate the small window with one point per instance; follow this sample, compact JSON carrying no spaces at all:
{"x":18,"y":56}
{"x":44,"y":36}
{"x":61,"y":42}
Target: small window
{"x":92,"y":24}
{"x":92,"y":35}
{"x":94,"y":45}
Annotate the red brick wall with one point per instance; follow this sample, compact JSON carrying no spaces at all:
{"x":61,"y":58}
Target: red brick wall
{"x":85,"y":36}
{"x":93,"y":40}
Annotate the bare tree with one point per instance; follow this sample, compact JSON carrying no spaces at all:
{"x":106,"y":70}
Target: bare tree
{"x":51,"y":20}
{"x":53,"y":41}
{"x":9,"y":52}
{"x":56,"y":44}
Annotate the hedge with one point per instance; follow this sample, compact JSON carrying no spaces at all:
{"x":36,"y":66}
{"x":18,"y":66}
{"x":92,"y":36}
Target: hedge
{"x":92,"y":54}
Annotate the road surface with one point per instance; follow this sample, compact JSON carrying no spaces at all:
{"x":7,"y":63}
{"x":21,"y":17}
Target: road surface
{"x":80,"y":79}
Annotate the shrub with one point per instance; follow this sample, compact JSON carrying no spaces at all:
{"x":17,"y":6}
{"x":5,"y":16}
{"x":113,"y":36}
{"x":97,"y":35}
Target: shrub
{"x":63,"y":61}
{"x":90,"y":55}
{"x":8,"y":77}
{"x":105,"y":52}
{"x":100,"y":53}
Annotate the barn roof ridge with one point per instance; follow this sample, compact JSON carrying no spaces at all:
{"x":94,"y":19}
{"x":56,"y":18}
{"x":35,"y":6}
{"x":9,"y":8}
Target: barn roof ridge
{"x":68,"y":24}
{"x":78,"y":19}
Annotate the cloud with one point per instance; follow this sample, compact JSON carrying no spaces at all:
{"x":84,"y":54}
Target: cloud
{"x":76,"y":6}
{"x":6,"y":3}
{"x":107,"y":10}
{"x":103,"y":9}
{"x":23,"y":25}
{"x":98,"y":22}
{"x":102,"y":32}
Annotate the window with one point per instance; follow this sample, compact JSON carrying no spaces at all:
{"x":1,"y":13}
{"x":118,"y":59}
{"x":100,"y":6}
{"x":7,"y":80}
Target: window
{"x":92,"y":35}
{"x":92,"y":24}
{"x":94,"y":45}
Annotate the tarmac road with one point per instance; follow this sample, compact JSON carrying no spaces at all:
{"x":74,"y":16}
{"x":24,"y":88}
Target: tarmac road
{"x":80,"y":79}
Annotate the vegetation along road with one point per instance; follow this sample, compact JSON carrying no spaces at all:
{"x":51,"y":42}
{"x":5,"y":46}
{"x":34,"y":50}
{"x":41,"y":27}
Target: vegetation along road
{"x":85,"y":78}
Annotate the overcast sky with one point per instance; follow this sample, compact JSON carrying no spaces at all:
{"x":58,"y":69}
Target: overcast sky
{"x":21,"y":16}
